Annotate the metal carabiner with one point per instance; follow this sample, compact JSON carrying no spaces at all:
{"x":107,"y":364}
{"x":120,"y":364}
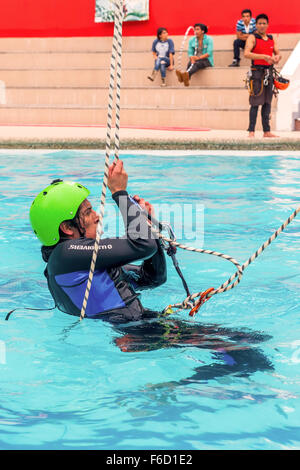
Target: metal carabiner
{"x":266,"y":79}
{"x":170,"y":230}
{"x":201,"y":301}
{"x":166,"y":226}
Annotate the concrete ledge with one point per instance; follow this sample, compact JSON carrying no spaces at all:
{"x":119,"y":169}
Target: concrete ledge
{"x":35,"y":137}
{"x":131,"y":43}
{"x":290,"y":146}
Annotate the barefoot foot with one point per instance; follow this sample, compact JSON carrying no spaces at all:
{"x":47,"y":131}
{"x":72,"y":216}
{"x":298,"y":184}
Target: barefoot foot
{"x":269,"y":134}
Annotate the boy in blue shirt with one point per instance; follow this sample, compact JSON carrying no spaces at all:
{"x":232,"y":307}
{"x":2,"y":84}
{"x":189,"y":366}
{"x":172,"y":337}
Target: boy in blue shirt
{"x":200,"y":53}
{"x":163,"y":52}
{"x":245,"y":26}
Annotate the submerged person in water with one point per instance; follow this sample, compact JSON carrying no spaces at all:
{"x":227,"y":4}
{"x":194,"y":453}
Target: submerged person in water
{"x":64,"y":221}
{"x":233,"y":351}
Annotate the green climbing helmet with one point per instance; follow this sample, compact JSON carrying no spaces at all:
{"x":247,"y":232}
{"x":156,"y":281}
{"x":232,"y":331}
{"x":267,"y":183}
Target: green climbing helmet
{"x":58,"y":202}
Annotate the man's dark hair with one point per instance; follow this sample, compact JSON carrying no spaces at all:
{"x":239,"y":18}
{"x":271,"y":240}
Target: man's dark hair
{"x":262,"y":16}
{"x":247,"y":11}
{"x":75,"y":222}
{"x":202,"y":26}
{"x":159,"y":31}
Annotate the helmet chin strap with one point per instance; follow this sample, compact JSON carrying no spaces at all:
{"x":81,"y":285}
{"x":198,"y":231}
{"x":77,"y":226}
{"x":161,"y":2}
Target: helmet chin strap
{"x":77,"y":225}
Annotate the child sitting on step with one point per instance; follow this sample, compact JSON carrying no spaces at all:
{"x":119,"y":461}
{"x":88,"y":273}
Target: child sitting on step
{"x":163,"y":52}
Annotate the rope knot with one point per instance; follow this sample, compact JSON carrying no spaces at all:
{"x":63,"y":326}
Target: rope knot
{"x":171,"y":250}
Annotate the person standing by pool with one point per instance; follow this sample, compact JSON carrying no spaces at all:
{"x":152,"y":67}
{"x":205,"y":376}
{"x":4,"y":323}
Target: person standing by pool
{"x":163,"y":52}
{"x":200,"y":54}
{"x":245,"y":26}
{"x":64,"y":221}
{"x":263,"y":51}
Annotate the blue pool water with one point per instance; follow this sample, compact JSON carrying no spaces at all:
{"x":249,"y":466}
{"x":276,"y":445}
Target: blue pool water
{"x":66,"y":385}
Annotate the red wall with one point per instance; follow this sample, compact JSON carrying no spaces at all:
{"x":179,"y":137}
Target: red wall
{"x":45,"y":18}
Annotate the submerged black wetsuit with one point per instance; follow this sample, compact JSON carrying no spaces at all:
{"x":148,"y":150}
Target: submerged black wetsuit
{"x":113,"y":295}
{"x":113,"y":298}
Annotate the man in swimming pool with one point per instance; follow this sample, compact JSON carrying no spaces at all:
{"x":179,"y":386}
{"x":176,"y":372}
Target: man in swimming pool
{"x":64,"y":221}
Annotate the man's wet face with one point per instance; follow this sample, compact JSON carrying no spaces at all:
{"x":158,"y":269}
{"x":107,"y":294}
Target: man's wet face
{"x":88,"y":219}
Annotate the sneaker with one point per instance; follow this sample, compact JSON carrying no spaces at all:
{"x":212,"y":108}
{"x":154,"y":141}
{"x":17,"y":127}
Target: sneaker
{"x":179,"y":76}
{"x":152,"y":76}
{"x":235,"y":63}
{"x":186,"y":79}
{"x":163,"y":82}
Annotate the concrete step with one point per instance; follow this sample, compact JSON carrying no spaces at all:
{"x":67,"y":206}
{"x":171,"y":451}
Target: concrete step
{"x":140,"y":98}
{"x":227,"y":76}
{"x":63,"y":81}
{"x":220,"y":42}
{"x":214,"y":119}
{"x":130,"y":43}
{"x":92,"y":60}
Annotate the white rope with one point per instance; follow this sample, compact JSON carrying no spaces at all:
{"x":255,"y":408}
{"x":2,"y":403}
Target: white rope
{"x":229,"y":284}
{"x":115,"y":69}
{"x":182,"y":47}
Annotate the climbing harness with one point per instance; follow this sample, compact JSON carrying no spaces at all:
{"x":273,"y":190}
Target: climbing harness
{"x":250,"y":78}
{"x":279,"y":82}
{"x":157,"y":227}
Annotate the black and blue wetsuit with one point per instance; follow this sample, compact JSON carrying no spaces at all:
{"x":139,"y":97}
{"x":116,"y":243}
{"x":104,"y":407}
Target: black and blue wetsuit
{"x":114,"y":298}
{"x":113,"y":295}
